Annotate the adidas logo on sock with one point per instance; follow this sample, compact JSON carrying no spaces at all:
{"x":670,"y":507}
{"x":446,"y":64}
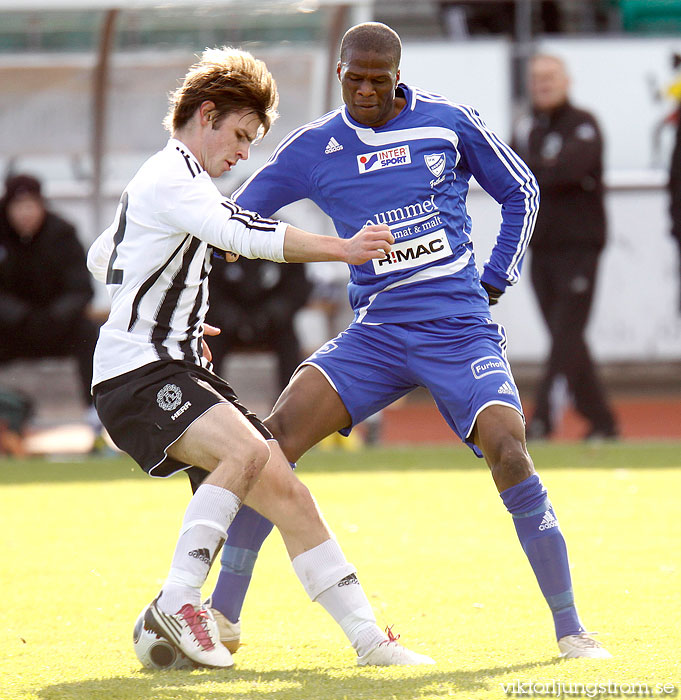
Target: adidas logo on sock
{"x":506,"y":388}
{"x":201,"y":554}
{"x":332,"y":146}
{"x":548,"y":521}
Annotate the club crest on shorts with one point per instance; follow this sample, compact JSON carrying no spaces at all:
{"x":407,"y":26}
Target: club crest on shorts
{"x":169,"y":397}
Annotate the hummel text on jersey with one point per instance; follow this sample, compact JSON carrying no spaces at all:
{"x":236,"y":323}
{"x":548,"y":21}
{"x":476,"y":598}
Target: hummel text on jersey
{"x":332,"y":146}
{"x":414,"y":252}
{"x":406,"y":214}
{"x":390,"y":158}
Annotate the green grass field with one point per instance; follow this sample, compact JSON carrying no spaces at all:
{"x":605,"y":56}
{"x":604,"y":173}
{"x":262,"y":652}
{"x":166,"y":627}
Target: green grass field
{"x":85,"y":545}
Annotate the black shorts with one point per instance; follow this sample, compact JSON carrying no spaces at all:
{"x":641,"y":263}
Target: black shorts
{"x":145,"y":411}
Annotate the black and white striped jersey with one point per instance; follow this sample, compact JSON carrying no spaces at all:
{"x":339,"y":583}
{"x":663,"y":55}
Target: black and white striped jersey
{"x":155,"y":260}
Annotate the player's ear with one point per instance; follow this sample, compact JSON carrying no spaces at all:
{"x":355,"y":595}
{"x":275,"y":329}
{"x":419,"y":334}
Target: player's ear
{"x":397,"y":77}
{"x":338,"y":70}
{"x":207,"y":112}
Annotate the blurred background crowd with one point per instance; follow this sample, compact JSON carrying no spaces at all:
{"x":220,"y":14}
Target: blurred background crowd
{"x":83,"y":90}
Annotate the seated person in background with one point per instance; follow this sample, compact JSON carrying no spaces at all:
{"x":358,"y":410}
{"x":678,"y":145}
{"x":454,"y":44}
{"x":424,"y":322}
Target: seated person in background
{"x":45,"y":285}
{"x":254,"y":303}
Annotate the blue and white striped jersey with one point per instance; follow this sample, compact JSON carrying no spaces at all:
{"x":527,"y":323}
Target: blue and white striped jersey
{"x":413,"y":174}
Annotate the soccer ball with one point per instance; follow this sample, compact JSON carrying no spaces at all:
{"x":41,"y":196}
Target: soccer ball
{"x":155,"y":652}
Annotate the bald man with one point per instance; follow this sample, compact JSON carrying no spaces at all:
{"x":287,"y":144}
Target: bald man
{"x":563,"y":146}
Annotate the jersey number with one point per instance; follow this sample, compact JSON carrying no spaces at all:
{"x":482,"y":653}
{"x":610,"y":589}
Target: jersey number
{"x":115,"y":275}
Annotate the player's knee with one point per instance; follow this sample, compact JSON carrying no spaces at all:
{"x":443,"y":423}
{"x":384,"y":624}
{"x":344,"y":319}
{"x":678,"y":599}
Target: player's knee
{"x":250,"y":459}
{"x":511,"y":463}
{"x":257,"y":458}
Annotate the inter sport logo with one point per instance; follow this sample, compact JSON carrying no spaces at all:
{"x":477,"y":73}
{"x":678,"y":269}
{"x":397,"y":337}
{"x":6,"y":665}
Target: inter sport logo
{"x":414,"y":252}
{"x":390,"y":158}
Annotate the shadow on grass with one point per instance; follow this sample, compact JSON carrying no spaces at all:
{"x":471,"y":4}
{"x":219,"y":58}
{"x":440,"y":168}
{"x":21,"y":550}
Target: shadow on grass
{"x":279,"y":684}
{"x":620,"y":455}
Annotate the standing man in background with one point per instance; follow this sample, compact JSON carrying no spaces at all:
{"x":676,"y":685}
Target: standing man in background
{"x":564,"y":148}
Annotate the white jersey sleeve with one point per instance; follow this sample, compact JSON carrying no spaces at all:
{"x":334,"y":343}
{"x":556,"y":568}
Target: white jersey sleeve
{"x":197,"y":207}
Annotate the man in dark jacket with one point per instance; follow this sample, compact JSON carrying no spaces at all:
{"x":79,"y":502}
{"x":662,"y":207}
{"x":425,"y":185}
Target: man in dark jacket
{"x":44,"y":283}
{"x":564,"y":148}
{"x":254,"y":303}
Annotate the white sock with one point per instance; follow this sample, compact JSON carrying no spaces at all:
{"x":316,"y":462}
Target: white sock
{"x":204,"y":528}
{"x":332,"y":582}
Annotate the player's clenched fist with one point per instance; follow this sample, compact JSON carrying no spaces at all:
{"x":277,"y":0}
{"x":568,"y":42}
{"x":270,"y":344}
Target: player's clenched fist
{"x":371,"y":243}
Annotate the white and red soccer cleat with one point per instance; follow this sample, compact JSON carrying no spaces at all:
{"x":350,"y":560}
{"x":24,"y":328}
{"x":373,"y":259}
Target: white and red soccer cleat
{"x":194,"y":631}
{"x":390,"y":653}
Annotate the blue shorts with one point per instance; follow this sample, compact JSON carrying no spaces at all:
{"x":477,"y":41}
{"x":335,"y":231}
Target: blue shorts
{"x":461,"y":361}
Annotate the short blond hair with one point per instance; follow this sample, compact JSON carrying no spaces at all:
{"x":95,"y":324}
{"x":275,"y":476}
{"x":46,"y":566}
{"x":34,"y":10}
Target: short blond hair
{"x":233,"y":80}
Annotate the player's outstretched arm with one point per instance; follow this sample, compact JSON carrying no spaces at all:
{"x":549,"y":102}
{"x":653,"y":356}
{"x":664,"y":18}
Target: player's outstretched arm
{"x":372,"y":242}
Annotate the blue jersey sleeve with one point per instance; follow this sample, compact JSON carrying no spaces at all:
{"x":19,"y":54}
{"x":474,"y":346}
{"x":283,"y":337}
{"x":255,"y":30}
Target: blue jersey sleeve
{"x":503,"y":174}
{"x":281,"y":181}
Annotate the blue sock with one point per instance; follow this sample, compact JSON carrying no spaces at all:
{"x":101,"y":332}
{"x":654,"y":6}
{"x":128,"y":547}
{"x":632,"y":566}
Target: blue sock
{"x":544,"y":544}
{"x":244,"y":539}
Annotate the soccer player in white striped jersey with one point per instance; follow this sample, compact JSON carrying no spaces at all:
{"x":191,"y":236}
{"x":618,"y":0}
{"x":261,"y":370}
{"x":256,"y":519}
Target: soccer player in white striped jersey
{"x":398,"y":155}
{"x":155,"y":391}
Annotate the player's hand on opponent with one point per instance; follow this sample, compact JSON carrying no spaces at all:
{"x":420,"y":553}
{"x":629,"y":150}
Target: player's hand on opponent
{"x":209,"y":330}
{"x":225,"y":255}
{"x":371,"y":243}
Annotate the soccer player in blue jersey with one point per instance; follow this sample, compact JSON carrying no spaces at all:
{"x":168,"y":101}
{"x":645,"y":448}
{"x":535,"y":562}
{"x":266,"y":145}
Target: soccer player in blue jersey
{"x":397,"y":155}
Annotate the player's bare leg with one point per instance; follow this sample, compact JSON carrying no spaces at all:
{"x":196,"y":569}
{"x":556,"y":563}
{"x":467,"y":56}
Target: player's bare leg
{"x":291,"y":421}
{"x":500,"y":434}
{"x":224,"y":443}
{"x":297,"y":432}
{"x":278,"y":495}
{"x":320,"y":564}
